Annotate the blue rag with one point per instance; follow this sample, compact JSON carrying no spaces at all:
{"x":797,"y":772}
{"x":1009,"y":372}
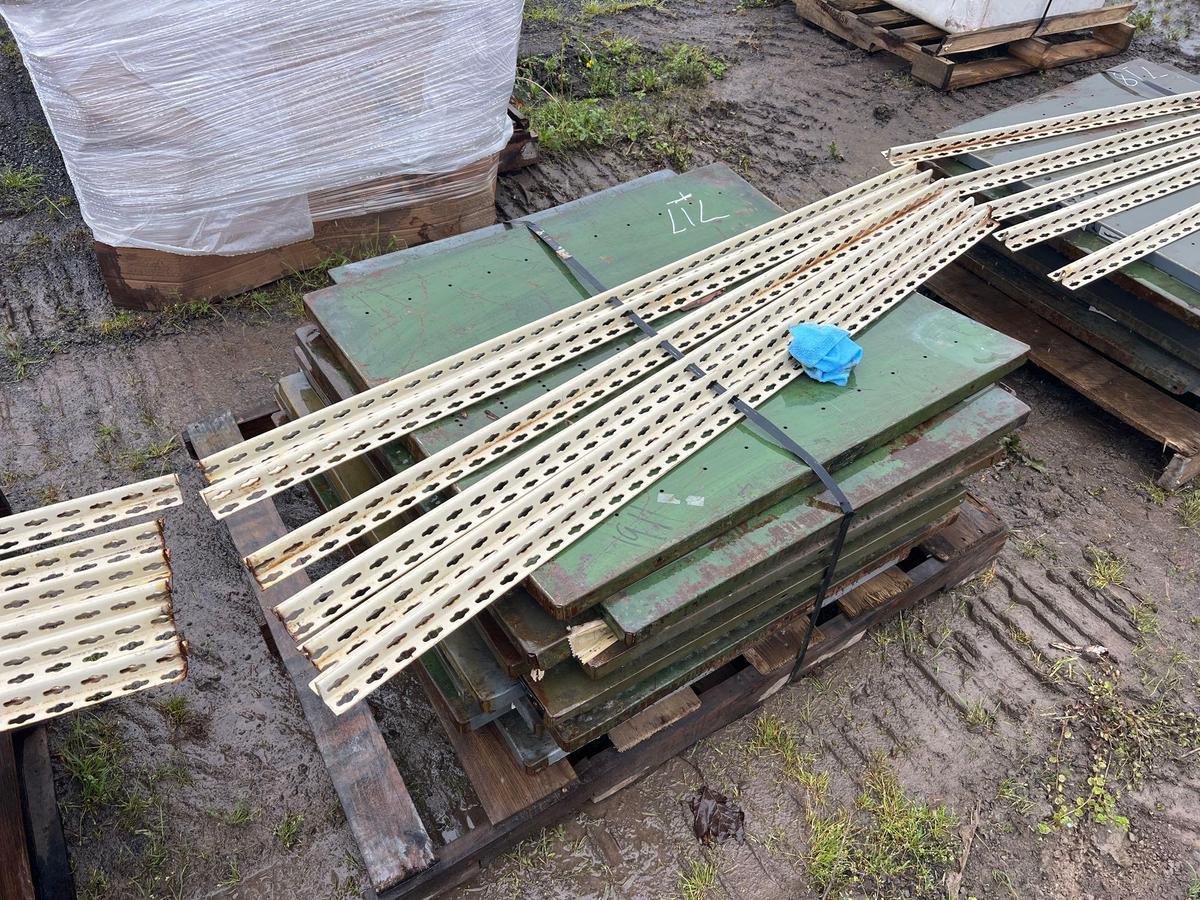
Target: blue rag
{"x":827,"y":352}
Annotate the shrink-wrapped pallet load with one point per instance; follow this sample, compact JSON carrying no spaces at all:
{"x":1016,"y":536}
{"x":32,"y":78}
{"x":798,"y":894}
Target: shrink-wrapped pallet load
{"x":217,"y":146}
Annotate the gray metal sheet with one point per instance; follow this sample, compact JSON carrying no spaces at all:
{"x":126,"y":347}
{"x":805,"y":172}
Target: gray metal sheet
{"x":1139,"y":79}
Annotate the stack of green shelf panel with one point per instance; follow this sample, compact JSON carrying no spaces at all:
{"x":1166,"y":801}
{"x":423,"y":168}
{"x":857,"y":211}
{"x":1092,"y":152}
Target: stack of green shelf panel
{"x":720,"y":551}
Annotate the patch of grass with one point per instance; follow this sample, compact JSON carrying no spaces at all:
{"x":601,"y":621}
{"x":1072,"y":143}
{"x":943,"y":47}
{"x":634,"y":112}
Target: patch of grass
{"x":536,"y":851}
{"x":132,"y":808}
{"x":564,"y":124}
{"x":95,"y":885}
{"x":155,"y":452}
{"x":1141,"y":20}
{"x":908,"y":840}
{"x":1193,"y":887}
{"x":548,"y":12}
{"x":234,"y":875}
{"x":93,"y":755}
{"x":1107,"y":568}
{"x":835,"y":152}
{"x":698,"y":877}
{"x":1015,"y":794}
{"x":771,"y":735}
{"x":178,"y":315}
{"x":903,"y":848}
{"x":22,"y":359}
{"x":1018,"y":635}
{"x":1032,"y":548}
{"x":177,"y":711}
{"x":757,"y":4}
{"x":832,"y":850}
{"x":242,"y":814}
{"x":1144,"y":618}
{"x":594,"y":92}
{"x":691,"y":66}
{"x":287,"y":830}
{"x":614,"y":7}
{"x":1188,"y":509}
{"x":21,"y":189}
{"x":121,"y":323}
{"x":775,"y":737}
{"x":978,"y":716}
{"x":1156,"y":495}
{"x":174,"y":771}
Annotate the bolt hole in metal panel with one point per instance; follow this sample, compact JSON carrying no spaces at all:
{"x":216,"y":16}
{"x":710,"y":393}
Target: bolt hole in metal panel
{"x":90,"y":619}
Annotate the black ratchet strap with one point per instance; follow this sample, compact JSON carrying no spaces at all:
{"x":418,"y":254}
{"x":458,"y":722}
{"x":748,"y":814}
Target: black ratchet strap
{"x":768,"y":428}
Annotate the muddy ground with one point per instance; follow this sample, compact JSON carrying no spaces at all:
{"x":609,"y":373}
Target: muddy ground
{"x":222,"y":793}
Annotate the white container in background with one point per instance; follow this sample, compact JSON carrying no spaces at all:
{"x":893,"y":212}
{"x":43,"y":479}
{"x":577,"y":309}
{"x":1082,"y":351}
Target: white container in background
{"x":957,"y":16}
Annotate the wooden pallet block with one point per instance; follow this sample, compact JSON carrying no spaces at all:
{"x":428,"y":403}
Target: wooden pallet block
{"x":1118,"y":391}
{"x":653,"y":719}
{"x":937,"y":57}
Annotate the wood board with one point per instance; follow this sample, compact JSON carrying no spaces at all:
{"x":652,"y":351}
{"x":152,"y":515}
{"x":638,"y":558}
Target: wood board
{"x":1116,"y":390}
{"x":391,"y":838}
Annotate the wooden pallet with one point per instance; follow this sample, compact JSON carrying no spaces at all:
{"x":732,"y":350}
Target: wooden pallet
{"x":398,"y":854}
{"x":949,"y":61}
{"x":1154,"y":412}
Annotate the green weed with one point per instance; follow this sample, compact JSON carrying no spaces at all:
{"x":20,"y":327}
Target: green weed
{"x":697,"y":879}
{"x":1188,"y":509}
{"x":93,"y":755}
{"x":287,"y":830}
{"x":1107,"y":569}
{"x":614,"y":7}
{"x":1123,"y":742}
{"x":835,"y":152}
{"x":177,"y":711}
{"x":21,"y":189}
{"x":978,"y":716}
{"x":120,"y":323}
{"x":1017,"y":453}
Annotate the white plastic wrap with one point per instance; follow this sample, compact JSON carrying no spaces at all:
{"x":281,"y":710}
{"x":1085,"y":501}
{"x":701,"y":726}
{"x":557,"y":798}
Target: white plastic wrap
{"x":956,"y":16}
{"x":202,"y":126}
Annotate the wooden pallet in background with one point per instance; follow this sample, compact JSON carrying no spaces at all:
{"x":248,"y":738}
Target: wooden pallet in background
{"x":949,"y":61}
{"x":397,"y":851}
{"x":1154,"y":412}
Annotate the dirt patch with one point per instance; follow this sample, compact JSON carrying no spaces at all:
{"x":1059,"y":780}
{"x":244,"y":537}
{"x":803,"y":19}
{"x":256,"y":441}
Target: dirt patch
{"x":218,"y":787}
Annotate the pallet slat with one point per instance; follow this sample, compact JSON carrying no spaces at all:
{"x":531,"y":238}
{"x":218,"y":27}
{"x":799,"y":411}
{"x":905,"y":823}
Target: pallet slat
{"x":391,"y":838}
